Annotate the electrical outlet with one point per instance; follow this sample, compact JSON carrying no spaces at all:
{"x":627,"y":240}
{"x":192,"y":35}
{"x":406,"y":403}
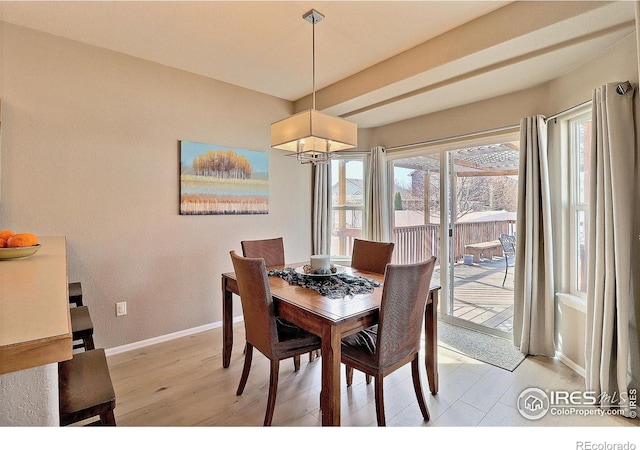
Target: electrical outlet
{"x":121,"y":309}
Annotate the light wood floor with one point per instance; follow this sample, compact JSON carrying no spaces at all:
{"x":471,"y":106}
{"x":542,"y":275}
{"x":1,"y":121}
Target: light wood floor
{"x":182,"y":383}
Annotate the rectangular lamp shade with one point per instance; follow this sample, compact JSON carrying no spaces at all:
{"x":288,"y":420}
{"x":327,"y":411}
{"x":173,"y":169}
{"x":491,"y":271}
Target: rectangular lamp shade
{"x":313,"y":131}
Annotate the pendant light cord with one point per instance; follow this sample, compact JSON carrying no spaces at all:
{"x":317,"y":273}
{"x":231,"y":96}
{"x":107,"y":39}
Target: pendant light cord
{"x":313,"y":63}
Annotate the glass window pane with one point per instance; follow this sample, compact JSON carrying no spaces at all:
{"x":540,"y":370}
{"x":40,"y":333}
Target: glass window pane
{"x":582,"y":140}
{"x":581,"y":256}
{"x":580,"y":151}
{"x":416,"y":209}
{"x":347,"y":202}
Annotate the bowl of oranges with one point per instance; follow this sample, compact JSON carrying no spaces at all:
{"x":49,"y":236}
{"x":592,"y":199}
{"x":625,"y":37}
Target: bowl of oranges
{"x":17,"y":245}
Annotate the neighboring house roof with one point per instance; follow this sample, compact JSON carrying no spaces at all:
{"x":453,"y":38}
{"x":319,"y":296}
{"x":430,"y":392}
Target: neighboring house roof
{"x":355,"y":187}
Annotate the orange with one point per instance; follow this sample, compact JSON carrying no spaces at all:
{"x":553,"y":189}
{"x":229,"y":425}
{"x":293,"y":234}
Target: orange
{"x":22,"y":240}
{"x":6,"y":234}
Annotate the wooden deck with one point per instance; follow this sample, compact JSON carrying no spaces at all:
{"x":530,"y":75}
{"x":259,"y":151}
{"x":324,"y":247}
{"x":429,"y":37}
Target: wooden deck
{"x":479,"y":296}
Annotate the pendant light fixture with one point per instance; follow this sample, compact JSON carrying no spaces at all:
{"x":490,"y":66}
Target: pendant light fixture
{"x":313,"y":135}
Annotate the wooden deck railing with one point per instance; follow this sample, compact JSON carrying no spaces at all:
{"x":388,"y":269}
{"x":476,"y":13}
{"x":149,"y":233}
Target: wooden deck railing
{"x":418,"y":242}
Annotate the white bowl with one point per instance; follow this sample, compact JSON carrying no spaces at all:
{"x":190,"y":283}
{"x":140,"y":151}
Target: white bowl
{"x":18,"y":252}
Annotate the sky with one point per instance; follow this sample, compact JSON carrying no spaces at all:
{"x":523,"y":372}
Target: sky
{"x":355,"y":171}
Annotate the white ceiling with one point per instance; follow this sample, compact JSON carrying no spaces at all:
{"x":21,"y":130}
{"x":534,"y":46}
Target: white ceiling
{"x":266,"y":46}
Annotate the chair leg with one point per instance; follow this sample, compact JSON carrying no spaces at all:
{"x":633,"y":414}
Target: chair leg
{"x":415,"y":372}
{"x":273,"y":390}
{"x":108,"y":418}
{"x":296,"y":363}
{"x":88,"y":343}
{"x":248,"y":354}
{"x":349,"y":372}
{"x":313,"y":355}
{"x":380,"y":401}
{"x":506,"y":269}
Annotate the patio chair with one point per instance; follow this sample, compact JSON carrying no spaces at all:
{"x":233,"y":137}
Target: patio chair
{"x":509,"y":250}
{"x":395,"y":340}
{"x":275,"y":339}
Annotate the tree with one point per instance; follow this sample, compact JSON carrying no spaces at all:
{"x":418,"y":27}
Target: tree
{"x":397,"y":202}
{"x":222,"y":164}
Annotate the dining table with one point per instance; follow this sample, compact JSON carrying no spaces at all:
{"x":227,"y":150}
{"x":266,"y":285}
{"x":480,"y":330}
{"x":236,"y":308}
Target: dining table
{"x":331,"y":319}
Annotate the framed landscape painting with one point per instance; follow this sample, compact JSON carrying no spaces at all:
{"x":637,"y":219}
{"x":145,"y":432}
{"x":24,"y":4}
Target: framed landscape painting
{"x":222,"y":180}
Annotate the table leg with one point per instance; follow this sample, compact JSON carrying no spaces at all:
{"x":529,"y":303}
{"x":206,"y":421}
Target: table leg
{"x":330,"y":397}
{"x":227,"y":324}
{"x":431,"y":341}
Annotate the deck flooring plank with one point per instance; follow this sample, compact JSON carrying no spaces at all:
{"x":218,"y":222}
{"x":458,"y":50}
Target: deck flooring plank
{"x":480,"y":297}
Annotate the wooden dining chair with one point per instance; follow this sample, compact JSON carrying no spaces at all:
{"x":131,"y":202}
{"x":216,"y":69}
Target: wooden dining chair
{"x":272,"y":250}
{"x":371,"y":256}
{"x":275,"y":338}
{"x":395,"y":340}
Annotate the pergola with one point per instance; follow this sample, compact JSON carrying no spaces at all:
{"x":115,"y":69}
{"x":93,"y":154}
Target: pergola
{"x":480,"y":161}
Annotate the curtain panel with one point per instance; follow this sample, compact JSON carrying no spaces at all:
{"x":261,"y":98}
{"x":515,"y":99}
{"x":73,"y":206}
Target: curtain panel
{"x":533,"y":320}
{"x":611,"y":354}
{"x":376,"y":209}
{"x":321,"y":220}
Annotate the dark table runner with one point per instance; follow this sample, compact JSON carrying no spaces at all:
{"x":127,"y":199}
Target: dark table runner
{"x":334,"y":286}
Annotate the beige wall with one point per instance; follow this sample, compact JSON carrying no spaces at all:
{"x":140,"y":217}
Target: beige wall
{"x":90,"y":151}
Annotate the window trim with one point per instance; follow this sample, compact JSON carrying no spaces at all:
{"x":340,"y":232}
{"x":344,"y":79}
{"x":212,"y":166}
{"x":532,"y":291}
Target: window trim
{"x":360,"y":157}
{"x":574,"y":205}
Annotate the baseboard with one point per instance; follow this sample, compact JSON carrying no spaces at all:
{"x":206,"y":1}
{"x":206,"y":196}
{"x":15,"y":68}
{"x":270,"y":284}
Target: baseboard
{"x":166,"y":337}
{"x":571,"y":364}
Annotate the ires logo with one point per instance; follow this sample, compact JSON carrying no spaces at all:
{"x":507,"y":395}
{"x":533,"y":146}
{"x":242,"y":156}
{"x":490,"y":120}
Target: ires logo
{"x":534,"y":403}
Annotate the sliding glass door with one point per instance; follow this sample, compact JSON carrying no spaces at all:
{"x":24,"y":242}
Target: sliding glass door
{"x":456,"y":204}
{"x":481,"y":199}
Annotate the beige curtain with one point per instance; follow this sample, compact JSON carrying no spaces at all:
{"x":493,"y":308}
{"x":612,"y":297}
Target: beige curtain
{"x":376,"y":209}
{"x":533,"y":320}
{"x":321,"y":220}
{"x":611,"y":352}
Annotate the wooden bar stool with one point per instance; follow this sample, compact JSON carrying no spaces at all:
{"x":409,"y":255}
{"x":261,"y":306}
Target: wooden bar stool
{"x":81,"y":324}
{"x":82,"y":328}
{"x":85,"y":389}
{"x":75,"y":293}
